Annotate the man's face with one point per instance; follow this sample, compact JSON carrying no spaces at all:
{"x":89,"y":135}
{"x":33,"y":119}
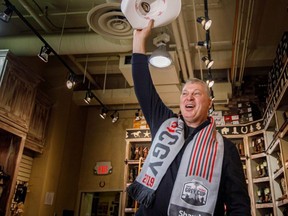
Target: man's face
{"x":194,"y":104}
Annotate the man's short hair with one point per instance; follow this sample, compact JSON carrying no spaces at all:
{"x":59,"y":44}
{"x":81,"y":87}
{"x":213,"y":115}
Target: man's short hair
{"x":196,"y":80}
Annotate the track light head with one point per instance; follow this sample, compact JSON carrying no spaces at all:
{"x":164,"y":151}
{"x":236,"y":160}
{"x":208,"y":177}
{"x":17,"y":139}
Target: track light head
{"x":206,"y":44}
{"x":208,"y":62}
{"x":205,"y":22}
{"x":88,"y":97}
{"x":44,"y":53}
{"x":115,"y":116}
{"x":6,"y":15}
{"x":210,"y":83}
{"x":103,"y":113}
{"x":71,"y":81}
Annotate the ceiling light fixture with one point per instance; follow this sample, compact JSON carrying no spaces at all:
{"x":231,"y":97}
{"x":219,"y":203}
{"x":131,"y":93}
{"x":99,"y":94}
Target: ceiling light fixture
{"x":161,"y":58}
{"x":71,"y":81}
{"x":115,"y":116}
{"x":88,"y":97}
{"x":103,"y":113}
{"x":208,"y":62}
{"x":205,"y":22}
{"x":6,"y":15}
{"x":44,"y":53}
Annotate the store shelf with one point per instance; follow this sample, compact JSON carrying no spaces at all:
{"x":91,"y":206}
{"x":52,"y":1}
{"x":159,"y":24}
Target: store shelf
{"x":261,"y":179}
{"x":129,"y":210}
{"x":275,"y":102}
{"x":133,"y":162}
{"x":285,"y":130}
{"x":258,"y":155}
{"x":282,"y":202}
{"x":274,"y":146}
{"x":279,"y":173}
{"x":264,"y":205}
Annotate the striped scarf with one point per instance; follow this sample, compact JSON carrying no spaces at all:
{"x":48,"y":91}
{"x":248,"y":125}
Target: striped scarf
{"x":196,"y":187}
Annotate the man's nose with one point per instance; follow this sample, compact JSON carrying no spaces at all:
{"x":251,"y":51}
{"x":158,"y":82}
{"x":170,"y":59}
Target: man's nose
{"x":191,"y":97}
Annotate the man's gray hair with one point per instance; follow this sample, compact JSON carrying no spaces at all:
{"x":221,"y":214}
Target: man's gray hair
{"x":196,"y":80}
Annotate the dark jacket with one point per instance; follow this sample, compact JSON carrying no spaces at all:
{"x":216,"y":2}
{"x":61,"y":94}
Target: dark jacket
{"x":233,"y":189}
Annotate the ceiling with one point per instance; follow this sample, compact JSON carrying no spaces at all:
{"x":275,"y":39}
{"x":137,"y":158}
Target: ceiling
{"x":94,"y":38}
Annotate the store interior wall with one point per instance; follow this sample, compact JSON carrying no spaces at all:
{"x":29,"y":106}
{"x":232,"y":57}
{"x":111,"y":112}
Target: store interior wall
{"x":76,"y":139}
{"x":104,"y":141}
{"x":56,"y":170}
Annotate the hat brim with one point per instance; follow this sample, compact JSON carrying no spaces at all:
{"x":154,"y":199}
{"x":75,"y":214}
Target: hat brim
{"x":140,"y":12}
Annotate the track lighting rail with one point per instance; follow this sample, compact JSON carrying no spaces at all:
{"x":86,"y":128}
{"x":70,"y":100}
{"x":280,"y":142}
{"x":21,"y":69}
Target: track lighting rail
{"x":11,"y":7}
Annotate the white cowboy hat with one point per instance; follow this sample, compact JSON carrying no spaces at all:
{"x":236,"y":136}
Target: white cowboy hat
{"x":139,"y":12}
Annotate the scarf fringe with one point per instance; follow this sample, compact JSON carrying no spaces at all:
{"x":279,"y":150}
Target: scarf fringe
{"x":142,"y":194}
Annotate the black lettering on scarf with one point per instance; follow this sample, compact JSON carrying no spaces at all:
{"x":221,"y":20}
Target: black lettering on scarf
{"x":162,"y":149}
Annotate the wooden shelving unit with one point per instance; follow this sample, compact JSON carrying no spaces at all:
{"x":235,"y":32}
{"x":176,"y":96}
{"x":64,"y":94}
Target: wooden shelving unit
{"x":138,"y":143}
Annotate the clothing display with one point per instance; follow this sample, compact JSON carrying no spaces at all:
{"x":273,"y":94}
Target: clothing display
{"x":232,"y":188}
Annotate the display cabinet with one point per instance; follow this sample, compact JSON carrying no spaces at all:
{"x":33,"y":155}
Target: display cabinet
{"x":275,"y":121}
{"x":11,"y":148}
{"x":138,"y":143}
{"x":243,"y":152}
{"x":277,"y":150}
{"x":261,"y":185}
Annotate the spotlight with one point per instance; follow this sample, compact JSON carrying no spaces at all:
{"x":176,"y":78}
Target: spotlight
{"x":88,"y":97}
{"x":103,"y":113}
{"x":205,"y":22}
{"x":204,"y":43}
{"x":115,"y":116}
{"x":208,"y":62}
{"x":70,"y":83}
{"x":44,"y":53}
{"x":210,"y":82}
{"x":160,"y":57}
{"x":6,"y":15}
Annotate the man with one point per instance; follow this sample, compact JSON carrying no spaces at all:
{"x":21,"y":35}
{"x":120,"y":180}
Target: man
{"x":190,"y":169}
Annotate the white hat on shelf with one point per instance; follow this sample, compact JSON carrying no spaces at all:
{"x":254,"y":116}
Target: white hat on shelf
{"x":139,"y":12}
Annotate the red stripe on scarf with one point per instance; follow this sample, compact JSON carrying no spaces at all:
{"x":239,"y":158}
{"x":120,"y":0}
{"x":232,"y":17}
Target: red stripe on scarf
{"x":209,"y":151}
{"x":200,"y":162}
{"x":195,"y":151}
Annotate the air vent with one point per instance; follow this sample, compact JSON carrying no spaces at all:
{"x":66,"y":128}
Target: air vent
{"x":108,"y":20}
